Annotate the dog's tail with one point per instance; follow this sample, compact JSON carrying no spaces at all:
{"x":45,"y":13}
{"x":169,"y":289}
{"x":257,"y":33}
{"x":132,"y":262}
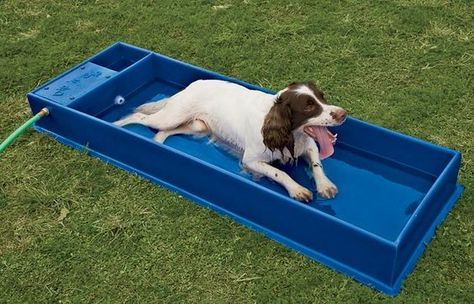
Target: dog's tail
{"x":152,"y":107}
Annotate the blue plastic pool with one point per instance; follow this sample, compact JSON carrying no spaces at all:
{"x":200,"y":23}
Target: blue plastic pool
{"x":393,"y":189}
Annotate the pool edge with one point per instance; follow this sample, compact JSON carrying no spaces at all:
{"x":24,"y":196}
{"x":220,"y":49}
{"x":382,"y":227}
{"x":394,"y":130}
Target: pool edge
{"x":376,"y":285}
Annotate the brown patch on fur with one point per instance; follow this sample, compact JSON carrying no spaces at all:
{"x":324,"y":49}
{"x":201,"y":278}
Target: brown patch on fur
{"x":302,"y":106}
{"x":277,"y":129}
{"x":318,"y":93}
{"x":289,"y":112}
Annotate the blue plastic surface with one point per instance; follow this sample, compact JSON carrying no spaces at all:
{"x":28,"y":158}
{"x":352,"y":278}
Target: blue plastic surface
{"x":393,"y":189}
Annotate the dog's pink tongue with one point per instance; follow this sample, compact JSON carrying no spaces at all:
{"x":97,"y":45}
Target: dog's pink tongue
{"x":324,"y":138}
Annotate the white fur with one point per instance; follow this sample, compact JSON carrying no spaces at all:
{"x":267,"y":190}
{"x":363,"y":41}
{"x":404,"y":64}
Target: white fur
{"x":235,"y":115}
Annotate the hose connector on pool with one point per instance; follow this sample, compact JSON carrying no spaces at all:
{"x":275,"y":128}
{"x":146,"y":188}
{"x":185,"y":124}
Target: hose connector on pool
{"x":44,"y":112}
{"x":10,"y":139}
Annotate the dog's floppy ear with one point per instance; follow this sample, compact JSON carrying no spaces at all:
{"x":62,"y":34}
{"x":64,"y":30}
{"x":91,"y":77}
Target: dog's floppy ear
{"x":276,"y":128}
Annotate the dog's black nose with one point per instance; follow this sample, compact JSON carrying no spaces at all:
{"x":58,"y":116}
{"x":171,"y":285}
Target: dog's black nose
{"x":339,"y":115}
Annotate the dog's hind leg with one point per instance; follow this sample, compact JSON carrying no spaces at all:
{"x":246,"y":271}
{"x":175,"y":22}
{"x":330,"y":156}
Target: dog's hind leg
{"x":170,"y":114}
{"x":135,"y":118}
{"x":194,"y":127}
{"x":152,"y":121}
{"x":152,"y":107}
{"x":168,"y":118}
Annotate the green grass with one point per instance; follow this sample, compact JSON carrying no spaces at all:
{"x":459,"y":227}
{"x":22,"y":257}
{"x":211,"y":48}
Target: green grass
{"x":406,"y":65}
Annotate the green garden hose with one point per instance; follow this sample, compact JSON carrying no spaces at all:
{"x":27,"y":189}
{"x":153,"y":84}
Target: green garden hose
{"x":44,"y":112}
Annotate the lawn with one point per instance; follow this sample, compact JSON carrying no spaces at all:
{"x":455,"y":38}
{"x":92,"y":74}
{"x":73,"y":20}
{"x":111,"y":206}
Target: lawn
{"x":73,"y":229}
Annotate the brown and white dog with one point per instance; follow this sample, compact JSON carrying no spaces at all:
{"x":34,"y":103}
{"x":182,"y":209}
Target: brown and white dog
{"x":264,"y":127}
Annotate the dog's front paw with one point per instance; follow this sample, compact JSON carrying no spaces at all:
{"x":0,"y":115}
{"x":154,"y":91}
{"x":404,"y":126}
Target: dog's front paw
{"x":301,"y":193}
{"x":326,"y":188}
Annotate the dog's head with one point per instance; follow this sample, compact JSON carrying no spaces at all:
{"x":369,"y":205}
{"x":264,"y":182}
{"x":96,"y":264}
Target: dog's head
{"x":300,"y":106}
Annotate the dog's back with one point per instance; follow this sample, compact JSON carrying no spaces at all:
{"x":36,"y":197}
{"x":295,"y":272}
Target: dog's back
{"x":231,"y":111}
